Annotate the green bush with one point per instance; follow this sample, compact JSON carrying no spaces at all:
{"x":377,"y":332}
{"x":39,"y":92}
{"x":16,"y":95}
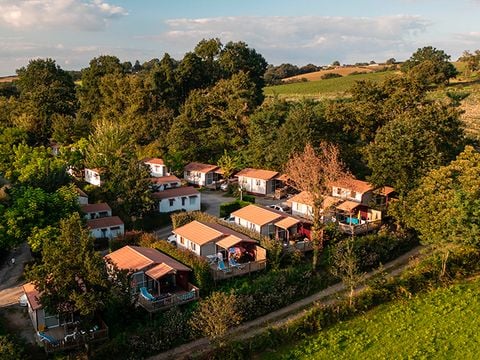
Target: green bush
{"x":330,"y":76}
{"x":248,"y":198}
{"x":202,"y":276}
{"x":9,"y":349}
{"x":227,"y":208}
{"x":374,"y":249}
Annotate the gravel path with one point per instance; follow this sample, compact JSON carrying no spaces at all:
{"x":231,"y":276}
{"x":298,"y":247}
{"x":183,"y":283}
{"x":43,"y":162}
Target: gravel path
{"x":283,"y":315}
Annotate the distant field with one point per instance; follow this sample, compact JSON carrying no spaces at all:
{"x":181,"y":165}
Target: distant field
{"x":8,"y":78}
{"x":322,"y":88}
{"x":342,"y":70}
{"x":443,"y":324}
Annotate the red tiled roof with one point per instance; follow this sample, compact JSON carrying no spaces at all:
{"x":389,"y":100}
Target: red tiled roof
{"x":33,"y":295}
{"x":91,"y":208}
{"x":155,"y":161}
{"x":165,"y":179}
{"x":175,"y":192}
{"x":257,"y":215}
{"x":137,"y":258}
{"x":387,"y":190}
{"x":257,"y":173}
{"x":353,"y":184}
{"x":200,"y":167}
{"x":104,"y":222}
{"x":348,"y":206}
{"x":198,"y":232}
{"x":158,"y":271}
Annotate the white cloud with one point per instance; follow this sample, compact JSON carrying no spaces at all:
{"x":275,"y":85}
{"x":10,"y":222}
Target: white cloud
{"x":317,"y":39}
{"x":77,"y":14}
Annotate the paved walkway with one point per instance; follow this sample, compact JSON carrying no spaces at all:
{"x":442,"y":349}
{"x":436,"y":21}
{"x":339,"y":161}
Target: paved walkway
{"x":281,"y":316}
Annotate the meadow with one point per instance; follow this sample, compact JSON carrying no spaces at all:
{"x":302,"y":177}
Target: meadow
{"x":328,"y":88}
{"x":441,"y":324}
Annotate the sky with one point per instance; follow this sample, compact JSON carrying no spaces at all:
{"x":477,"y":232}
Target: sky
{"x":284,"y":31}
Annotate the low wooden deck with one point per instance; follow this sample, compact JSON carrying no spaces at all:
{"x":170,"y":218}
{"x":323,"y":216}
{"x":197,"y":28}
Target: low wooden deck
{"x":232,"y":271}
{"x":302,"y":246}
{"x":360,"y":228}
{"x":178,"y":298}
{"x":70,"y":340}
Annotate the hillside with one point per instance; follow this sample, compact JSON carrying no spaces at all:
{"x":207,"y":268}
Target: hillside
{"x":4,"y":79}
{"x":328,"y":88}
{"x":440,"y":324}
{"x":341,"y":70}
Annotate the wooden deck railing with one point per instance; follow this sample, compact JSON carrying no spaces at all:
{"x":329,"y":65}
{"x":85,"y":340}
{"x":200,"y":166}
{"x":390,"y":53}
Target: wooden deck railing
{"x":192,"y":294}
{"x":77,"y":341}
{"x":245,"y":268}
{"x":360,"y":228}
{"x":299,"y":245}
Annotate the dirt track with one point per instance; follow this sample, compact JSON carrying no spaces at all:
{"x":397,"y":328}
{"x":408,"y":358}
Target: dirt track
{"x":282,"y":316}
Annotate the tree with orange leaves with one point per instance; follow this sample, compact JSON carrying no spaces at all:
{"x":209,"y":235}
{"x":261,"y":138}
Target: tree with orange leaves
{"x":314,"y":171}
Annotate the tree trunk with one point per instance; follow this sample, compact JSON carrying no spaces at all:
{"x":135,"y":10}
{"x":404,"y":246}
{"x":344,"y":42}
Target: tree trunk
{"x":352,"y":289}
{"x":444,"y":263}
{"x":317,"y":233}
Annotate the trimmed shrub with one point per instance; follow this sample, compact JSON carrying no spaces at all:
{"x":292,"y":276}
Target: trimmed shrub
{"x":227,"y":208}
{"x":248,"y":198}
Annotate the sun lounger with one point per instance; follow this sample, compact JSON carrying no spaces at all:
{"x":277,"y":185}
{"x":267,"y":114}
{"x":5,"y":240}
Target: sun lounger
{"x":47,"y":338}
{"x":146,"y":295}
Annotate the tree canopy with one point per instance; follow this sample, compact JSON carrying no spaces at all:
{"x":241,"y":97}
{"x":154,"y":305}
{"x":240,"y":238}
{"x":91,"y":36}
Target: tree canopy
{"x":430,"y":66}
{"x":72,"y":277}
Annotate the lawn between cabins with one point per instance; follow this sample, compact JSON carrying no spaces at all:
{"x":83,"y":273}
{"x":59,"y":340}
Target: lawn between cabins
{"x":440,"y":324}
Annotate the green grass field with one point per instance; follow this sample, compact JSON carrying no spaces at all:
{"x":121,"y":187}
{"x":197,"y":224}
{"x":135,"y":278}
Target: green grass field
{"x":322,"y":88}
{"x":444,"y":324}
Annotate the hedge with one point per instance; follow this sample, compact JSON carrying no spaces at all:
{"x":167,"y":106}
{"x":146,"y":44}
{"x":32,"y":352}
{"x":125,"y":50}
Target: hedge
{"x":227,"y":208}
{"x":202,"y":277}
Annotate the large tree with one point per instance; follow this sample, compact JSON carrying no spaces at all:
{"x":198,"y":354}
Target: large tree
{"x":45,"y":90}
{"x":32,"y":210}
{"x":236,"y":57}
{"x":430,"y":66}
{"x":314,"y":171}
{"x":37,"y":167}
{"x":213,"y":120}
{"x":88,"y":94}
{"x":72,"y":276}
{"x":445,"y":207}
{"x":413,"y":143}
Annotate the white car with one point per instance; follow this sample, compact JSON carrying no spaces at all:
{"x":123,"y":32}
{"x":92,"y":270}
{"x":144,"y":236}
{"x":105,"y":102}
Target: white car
{"x":280,"y":207}
{"x":229,"y":218}
{"x":172,"y":239}
{"x":22,"y":300}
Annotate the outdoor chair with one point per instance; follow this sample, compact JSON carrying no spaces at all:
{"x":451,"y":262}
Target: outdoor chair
{"x":47,"y":338}
{"x":221,"y":266}
{"x":146,"y":295}
{"x":235,"y":264}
